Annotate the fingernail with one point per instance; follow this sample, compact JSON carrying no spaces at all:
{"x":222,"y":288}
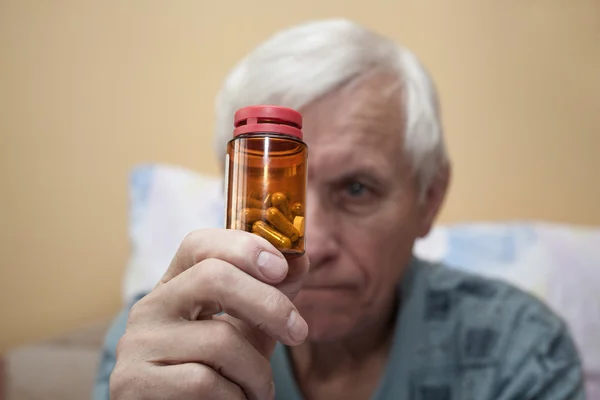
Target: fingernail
{"x":270,"y":265}
{"x":297,"y":327}
{"x":271,"y":395}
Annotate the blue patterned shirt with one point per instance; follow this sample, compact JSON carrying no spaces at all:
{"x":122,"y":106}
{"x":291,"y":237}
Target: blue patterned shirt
{"x":457,"y":337}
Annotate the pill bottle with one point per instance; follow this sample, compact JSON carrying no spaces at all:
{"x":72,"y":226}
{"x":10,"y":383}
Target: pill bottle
{"x":266,"y":172}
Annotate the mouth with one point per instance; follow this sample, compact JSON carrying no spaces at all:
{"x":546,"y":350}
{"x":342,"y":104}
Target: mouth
{"x":331,"y":295}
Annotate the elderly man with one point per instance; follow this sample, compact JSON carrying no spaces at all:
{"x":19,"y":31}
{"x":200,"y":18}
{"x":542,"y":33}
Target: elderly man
{"x":368,"y":320}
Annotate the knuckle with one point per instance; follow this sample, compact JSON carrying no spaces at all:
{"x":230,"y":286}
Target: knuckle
{"x":249,"y":244}
{"x":201,"y":379}
{"x":137,"y":311}
{"x":191,"y":239}
{"x":225,"y":332}
{"x":206,"y":272}
{"x":120,"y":381}
{"x":190,"y":245}
{"x":126,"y":345}
{"x":135,"y":346}
{"x":277,"y":303}
{"x":122,"y":346}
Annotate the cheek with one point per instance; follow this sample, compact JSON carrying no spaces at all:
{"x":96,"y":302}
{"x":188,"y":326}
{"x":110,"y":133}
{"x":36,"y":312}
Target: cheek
{"x":380,"y":245}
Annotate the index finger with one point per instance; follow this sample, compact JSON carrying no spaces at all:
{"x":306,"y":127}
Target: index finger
{"x":248,"y":252}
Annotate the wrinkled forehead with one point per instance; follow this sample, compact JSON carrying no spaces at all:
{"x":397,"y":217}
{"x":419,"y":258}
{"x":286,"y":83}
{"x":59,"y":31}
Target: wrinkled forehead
{"x":361,"y":122}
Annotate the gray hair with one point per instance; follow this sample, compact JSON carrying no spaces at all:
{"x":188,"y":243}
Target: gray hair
{"x":300,"y":64}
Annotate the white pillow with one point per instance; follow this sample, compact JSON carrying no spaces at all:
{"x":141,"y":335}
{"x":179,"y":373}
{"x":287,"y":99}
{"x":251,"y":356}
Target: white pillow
{"x":167,"y":203}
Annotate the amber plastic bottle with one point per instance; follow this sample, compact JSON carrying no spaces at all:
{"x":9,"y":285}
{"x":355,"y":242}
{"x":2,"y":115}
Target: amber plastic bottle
{"x":266,"y":176}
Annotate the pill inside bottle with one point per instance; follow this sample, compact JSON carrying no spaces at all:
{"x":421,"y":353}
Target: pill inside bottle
{"x":266,"y":176}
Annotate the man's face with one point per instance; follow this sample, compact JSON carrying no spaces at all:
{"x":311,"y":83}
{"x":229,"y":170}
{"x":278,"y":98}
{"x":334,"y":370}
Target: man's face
{"x":363,"y":211}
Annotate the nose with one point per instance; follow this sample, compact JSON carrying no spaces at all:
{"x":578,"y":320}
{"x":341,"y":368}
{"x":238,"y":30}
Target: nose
{"x":321,"y":238}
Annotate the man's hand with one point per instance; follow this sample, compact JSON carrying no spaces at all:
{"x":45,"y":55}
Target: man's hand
{"x":175,"y":348}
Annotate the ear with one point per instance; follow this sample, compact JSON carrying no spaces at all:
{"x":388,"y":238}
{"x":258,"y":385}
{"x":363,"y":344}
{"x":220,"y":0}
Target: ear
{"x":434,"y":199}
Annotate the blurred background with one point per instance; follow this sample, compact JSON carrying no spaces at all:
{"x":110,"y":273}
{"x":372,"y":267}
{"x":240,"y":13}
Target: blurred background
{"x":89,"y":89}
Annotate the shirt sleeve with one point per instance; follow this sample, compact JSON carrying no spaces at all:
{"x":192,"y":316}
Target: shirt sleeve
{"x":541,"y":361}
{"x":108,"y":359}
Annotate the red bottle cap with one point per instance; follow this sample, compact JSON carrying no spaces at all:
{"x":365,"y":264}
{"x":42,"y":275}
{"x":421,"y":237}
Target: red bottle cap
{"x":266,"y":118}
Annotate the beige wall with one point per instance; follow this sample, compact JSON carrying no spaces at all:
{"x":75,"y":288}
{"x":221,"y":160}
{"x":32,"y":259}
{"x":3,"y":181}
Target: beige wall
{"x":89,"y":88}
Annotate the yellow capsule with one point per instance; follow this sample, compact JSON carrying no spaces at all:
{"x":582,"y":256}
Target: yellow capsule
{"x":267,"y":201}
{"x":282,"y":224}
{"x":254,"y":195}
{"x":280,"y":201}
{"x":298,"y":210}
{"x":276,"y":238}
{"x":251,"y":215}
{"x":251,"y":202}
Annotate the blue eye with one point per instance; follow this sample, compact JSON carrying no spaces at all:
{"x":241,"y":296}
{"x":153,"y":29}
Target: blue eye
{"x":354,"y":197}
{"x":356,"y":189}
